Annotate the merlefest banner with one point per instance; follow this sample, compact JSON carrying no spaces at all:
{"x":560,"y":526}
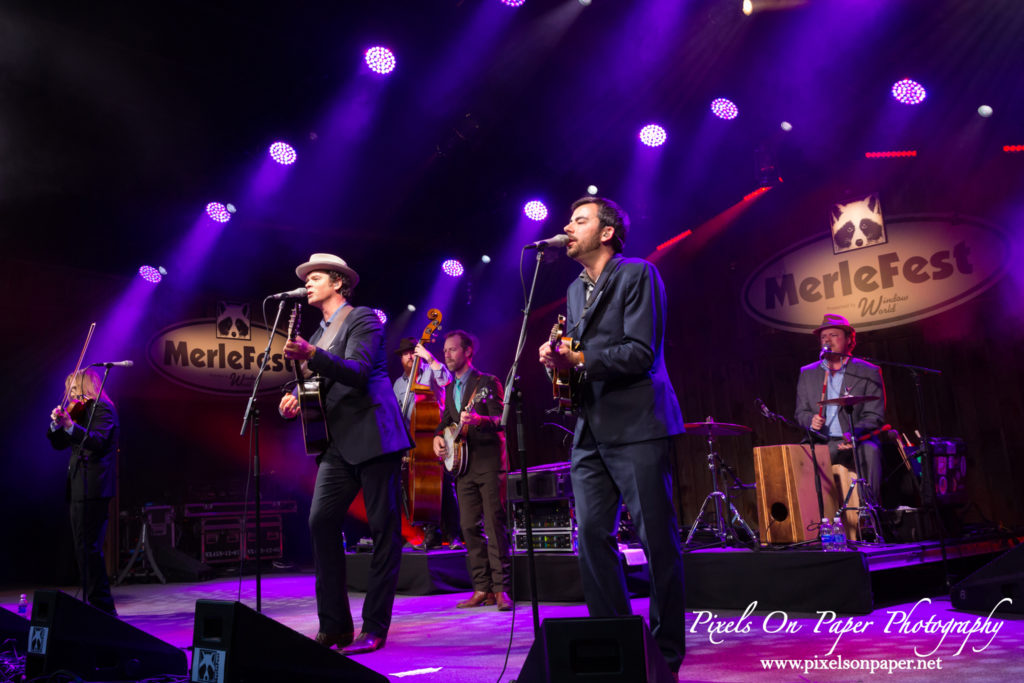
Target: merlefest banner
{"x":220,"y":355}
{"x":924,"y":266}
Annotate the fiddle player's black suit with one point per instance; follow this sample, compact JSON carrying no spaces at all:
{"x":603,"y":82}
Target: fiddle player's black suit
{"x":89,"y":504}
{"x":368,"y":438}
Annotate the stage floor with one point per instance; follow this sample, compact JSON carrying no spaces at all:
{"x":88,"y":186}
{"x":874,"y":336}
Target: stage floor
{"x":431,"y":640}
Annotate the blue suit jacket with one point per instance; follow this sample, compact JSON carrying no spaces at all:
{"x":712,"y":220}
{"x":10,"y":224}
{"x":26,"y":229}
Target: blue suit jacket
{"x":363,"y":417}
{"x":625,"y":395}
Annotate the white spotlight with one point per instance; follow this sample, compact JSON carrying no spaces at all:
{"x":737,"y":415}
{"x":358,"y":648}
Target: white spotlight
{"x":411,"y":308}
{"x":748,"y":7}
{"x":585,"y":3}
{"x":485,"y":258}
{"x":592,"y":189}
{"x":985,"y":111}
{"x":786,"y":126}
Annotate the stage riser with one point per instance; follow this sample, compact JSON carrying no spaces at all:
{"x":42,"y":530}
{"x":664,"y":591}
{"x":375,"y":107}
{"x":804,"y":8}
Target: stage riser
{"x":421,"y":573}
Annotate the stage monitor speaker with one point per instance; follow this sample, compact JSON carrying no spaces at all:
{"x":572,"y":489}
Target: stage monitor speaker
{"x":68,"y":634}
{"x":232,"y":643}
{"x":13,"y":631}
{"x":787,"y":501}
{"x":610,"y":650}
{"x":1001,"y":578}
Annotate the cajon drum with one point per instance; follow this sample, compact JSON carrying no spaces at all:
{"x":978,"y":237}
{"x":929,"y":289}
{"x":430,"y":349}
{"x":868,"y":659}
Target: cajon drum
{"x":787,"y":503}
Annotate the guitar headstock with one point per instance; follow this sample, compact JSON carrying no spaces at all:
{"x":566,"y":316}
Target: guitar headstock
{"x":293,"y":322}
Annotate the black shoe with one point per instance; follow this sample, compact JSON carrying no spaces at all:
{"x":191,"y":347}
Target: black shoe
{"x":366,"y":642}
{"x":456,"y":544}
{"x":330,"y":640}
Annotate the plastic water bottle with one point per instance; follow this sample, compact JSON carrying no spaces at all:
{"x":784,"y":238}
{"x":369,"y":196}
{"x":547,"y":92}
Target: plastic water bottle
{"x":839,"y":535}
{"x":825,"y":533}
{"x":23,"y":605}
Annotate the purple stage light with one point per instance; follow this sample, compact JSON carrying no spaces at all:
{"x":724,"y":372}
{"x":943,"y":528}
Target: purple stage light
{"x":381,"y":316}
{"x":908,"y":91}
{"x":513,"y":3}
{"x":452,"y":268}
{"x":653,"y":135}
{"x":724,"y":109}
{"x":535,"y":210}
{"x":282,"y":153}
{"x":218,"y":212}
{"x":380,"y":59}
{"x":150,"y":274}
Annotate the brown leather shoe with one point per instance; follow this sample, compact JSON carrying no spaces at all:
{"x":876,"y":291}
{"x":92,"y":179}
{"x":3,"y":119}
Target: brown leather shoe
{"x":366,"y":642}
{"x":333,"y":639}
{"x":504,"y":602}
{"x":479,"y":599}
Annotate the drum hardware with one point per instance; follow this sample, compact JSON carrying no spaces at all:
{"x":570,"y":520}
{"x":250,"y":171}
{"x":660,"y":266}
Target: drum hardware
{"x":718,"y":503}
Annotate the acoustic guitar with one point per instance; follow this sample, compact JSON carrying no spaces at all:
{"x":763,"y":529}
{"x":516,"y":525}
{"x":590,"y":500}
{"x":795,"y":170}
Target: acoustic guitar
{"x":456,"y":459}
{"x":562,"y":381}
{"x":311,"y":407}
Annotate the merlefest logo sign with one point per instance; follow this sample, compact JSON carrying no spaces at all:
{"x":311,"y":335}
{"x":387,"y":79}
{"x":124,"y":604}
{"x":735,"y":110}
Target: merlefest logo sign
{"x":220,"y":355}
{"x":928,"y":265}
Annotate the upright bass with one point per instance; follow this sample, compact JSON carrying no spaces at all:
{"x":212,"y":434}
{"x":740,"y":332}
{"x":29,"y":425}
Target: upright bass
{"x":425,"y":475}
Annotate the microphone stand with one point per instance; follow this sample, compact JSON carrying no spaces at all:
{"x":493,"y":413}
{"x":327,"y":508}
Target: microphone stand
{"x":925,"y":449}
{"x":84,"y":465}
{"x":253,"y":411}
{"x":513,"y":393}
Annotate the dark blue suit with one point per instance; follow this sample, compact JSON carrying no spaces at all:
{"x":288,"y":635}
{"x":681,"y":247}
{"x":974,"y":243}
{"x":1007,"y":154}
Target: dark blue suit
{"x":367,"y":440}
{"x":621,"y":450}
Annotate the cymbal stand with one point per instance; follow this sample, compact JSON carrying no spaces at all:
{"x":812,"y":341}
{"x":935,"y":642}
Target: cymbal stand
{"x":716,"y":503}
{"x":867,"y":509}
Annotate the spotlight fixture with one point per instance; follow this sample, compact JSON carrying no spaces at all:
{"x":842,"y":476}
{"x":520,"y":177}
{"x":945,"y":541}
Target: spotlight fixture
{"x":513,"y":3}
{"x":380,"y":60}
{"x":150,"y":274}
{"x":908,"y":91}
{"x":653,"y":135}
{"x":218,"y":212}
{"x":485,"y":258}
{"x":984,"y":111}
{"x":786,"y":126}
{"x":724,"y":109}
{"x":381,"y":316}
{"x":535,"y":210}
{"x":282,"y":153}
{"x":453,"y":268}
{"x":410,"y":308}
{"x":748,"y":7}
{"x":592,"y":189}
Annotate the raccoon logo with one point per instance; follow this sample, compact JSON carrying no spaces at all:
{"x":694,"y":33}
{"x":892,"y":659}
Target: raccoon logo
{"x":857,"y":224}
{"x":233,"y":321}
{"x":208,"y":666}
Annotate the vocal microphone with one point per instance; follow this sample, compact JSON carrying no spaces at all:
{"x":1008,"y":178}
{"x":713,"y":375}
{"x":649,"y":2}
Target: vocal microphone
{"x":556,"y":241}
{"x":764,"y":409}
{"x":824,"y":349}
{"x":297,"y":293}
{"x":117,"y":364}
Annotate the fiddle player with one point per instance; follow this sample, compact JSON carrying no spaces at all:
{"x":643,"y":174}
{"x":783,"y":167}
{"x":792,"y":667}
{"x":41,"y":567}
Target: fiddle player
{"x":91,"y":476}
{"x":836,"y":374}
{"x":368,"y":439}
{"x":435,"y":375}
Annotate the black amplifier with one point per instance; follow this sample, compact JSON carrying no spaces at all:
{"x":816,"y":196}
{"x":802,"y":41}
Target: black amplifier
{"x":949,"y":464}
{"x":546,"y":481}
{"x":221,"y":539}
{"x":544,"y":514}
{"x":548,"y":541}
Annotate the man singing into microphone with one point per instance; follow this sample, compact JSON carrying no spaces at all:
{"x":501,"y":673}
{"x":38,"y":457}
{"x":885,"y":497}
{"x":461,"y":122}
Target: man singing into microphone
{"x":367,"y":441}
{"x":837,"y":374}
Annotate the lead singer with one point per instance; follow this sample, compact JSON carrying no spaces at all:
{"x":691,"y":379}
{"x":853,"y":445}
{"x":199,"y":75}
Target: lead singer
{"x":367,"y":441}
{"x":627,"y":413}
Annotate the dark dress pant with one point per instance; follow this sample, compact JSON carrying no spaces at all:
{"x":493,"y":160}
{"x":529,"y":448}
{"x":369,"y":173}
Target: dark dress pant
{"x":337,"y":483}
{"x":604,"y":476}
{"x":484,"y":521}
{"x":89,"y":529}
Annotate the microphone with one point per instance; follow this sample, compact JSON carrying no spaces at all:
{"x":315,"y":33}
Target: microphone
{"x":556,"y":241}
{"x":764,"y":409}
{"x":297,"y":293}
{"x":116,"y":364}
{"x":824,"y":349}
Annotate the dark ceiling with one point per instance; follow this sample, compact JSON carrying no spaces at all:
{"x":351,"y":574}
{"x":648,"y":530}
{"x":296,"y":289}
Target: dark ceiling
{"x":119,"y":121}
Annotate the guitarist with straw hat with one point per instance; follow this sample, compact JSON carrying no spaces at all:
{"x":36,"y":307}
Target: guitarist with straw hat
{"x":367,"y":441}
